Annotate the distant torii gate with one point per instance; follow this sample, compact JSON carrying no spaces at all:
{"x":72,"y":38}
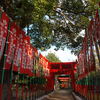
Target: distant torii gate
{"x":67,"y":68}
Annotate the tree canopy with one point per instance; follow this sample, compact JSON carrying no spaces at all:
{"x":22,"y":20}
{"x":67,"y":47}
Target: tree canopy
{"x":52,"y":57}
{"x":52,"y":22}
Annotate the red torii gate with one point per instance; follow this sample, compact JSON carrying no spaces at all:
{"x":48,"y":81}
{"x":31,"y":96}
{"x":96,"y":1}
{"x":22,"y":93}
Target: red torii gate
{"x":67,"y":68}
{"x":62,"y":67}
{"x":56,"y":68}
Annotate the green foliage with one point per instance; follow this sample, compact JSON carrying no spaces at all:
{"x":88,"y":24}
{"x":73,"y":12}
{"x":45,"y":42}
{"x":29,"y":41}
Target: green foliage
{"x":50,"y":22}
{"x":31,"y":14}
{"x":73,"y":17}
{"x":52,"y":57}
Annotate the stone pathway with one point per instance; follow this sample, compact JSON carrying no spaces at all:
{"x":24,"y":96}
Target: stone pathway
{"x":59,"y":95}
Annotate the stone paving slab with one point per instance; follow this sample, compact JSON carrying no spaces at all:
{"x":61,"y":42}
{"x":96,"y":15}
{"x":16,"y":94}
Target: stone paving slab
{"x":58,"y":95}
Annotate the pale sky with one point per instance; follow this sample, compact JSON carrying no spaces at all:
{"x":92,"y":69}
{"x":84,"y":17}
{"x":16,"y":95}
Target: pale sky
{"x":64,"y":56}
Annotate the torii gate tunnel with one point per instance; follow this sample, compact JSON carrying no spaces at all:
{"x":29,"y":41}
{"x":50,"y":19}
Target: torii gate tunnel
{"x":68,"y":68}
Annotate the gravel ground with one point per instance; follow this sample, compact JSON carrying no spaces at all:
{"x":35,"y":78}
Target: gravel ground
{"x":59,"y":95}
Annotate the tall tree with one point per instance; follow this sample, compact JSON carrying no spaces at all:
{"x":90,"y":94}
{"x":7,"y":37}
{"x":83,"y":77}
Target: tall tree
{"x":53,"y":22}
{"x":72,"y":17}
{"x":31,"y":15}
{"x":52,"y":57}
